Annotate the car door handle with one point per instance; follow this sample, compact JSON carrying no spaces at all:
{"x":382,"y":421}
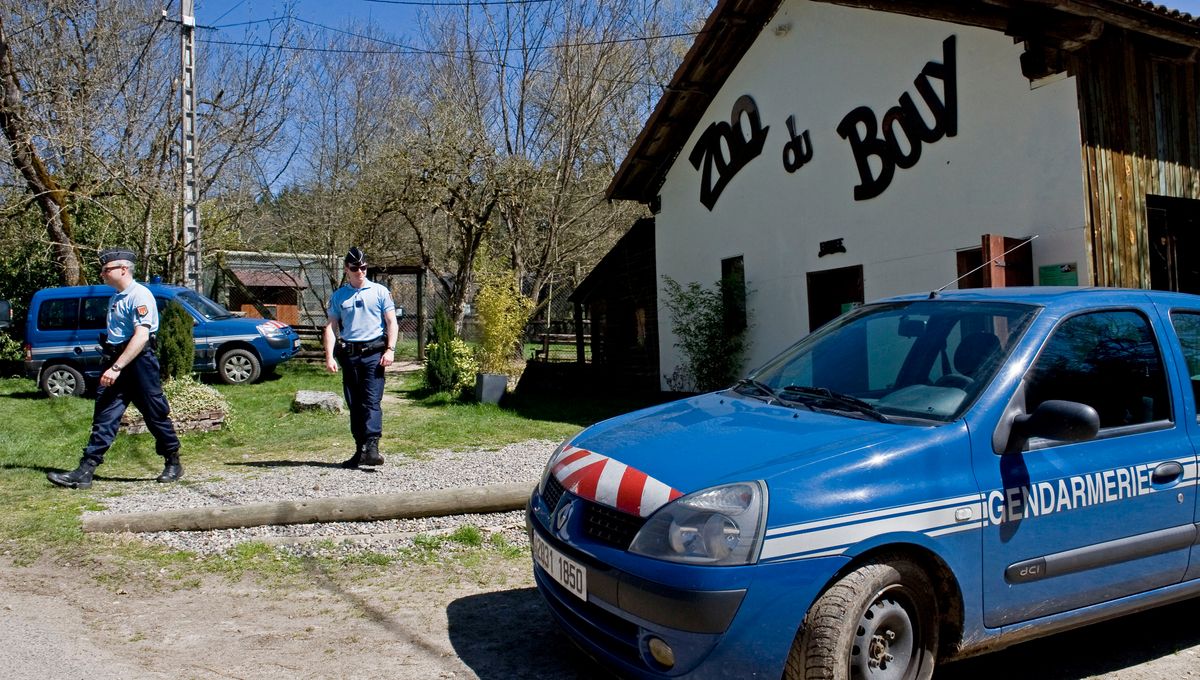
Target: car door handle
{"x":1166,"y":473}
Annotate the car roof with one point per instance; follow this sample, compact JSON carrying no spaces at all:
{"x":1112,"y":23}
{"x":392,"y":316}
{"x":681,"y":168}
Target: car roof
{"x":1060,"y":297}
{"x":74,"y":291}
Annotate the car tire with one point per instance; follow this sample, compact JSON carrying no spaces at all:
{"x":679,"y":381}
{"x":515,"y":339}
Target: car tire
{"x":61,"y":380}
{"x":879,"y":621}
{"x":239,"y":367}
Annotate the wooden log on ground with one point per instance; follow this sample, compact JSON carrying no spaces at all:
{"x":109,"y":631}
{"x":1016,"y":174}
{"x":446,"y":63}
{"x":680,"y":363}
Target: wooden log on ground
{"x":495,"y":498}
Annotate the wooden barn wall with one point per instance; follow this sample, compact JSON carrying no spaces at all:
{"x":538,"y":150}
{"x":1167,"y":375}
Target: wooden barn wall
{"x":1139,"y":131}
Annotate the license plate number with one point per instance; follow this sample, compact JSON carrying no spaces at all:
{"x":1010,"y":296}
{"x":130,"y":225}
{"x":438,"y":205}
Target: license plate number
{"x":567,"y":572}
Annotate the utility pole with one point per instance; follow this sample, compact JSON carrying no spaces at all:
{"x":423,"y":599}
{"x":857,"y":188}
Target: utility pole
{"x":187,"y":143}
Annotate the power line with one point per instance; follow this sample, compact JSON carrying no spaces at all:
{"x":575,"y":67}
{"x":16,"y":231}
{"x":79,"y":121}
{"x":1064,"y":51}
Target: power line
{"x":457,"y":3}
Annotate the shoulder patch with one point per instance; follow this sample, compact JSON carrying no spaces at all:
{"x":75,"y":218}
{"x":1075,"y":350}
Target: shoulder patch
{"x":142,"y":309}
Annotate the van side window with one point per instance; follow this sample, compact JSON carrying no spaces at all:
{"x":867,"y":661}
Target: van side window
{"x":94,"y":313}
{"x":1187,"y":327}
{"x":1107,"y":360}
{"x":58,"y":315}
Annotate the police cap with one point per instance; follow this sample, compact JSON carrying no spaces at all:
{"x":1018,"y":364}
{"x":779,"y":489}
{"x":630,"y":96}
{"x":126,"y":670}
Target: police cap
{"x":355,"y":257}
{"x":115,"y":255}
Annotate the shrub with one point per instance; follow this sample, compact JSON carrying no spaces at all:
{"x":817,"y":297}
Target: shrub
{"x":11,"y":349}
{"x":713,"y":347}
{"x":176,"y":349}
{"x":457,"y":366}
{"x":189,"y":398}
{"x":503,"y":312}
{"x":444,"y":364}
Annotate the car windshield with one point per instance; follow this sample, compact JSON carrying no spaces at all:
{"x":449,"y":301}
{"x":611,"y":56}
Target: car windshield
{"x":207,"y":308}
{"x":895,"y":361}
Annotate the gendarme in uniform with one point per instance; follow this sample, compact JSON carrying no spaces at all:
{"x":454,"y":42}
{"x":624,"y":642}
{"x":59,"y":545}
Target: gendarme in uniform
{"x":360,"y":339}
{"x":131,"y":375}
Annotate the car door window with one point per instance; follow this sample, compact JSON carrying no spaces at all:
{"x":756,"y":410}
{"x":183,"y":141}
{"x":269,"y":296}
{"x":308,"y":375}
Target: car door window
{"x":1187,"y":329}
{"x":58,"y":315}
{"x":93,"y":313}
{"x":1108,"y":360}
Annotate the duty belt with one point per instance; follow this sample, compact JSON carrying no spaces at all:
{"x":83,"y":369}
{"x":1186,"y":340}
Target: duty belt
{"x":352,"y":348}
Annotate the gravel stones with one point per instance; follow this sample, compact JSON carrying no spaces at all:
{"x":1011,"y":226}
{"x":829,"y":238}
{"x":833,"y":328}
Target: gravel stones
{"x":294,"y":480}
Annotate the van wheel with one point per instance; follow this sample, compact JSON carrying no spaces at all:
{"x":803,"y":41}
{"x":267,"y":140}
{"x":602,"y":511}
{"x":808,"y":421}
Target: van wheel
{"x":879,"y":622}
{"x":61,"y":380}
{"x":238,"y":367}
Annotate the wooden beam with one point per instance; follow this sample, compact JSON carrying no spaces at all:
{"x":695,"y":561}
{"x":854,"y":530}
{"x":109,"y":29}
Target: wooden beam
{"x":495,"y":498}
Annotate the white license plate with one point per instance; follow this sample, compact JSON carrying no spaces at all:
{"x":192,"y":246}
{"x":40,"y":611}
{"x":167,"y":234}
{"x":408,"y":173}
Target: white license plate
{"x":296,"y":343}
{"x":569,"y":573}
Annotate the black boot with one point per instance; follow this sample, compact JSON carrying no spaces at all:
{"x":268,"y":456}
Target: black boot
{"x":370,"y":455}
{"x":79,"y":478}
{"x":354,"y":461}
{"x":172,"y":468}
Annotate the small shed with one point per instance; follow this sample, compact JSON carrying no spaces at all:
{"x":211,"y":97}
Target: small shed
{"x":275,"y":291}
{"x":619,"y":295}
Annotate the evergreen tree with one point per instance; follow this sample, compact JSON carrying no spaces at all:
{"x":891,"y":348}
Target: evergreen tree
{"x":176,"y":350}
{"x":441,"y":370}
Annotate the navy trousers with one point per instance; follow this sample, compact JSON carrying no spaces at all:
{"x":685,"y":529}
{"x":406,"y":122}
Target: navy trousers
{"x":362,"y":385}
{"x":141,"y":384}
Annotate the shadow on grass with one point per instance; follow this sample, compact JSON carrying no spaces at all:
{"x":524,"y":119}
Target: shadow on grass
{"x":581,"y":410}
{"x":33,"y":394}
{"x":510,"y":634}
{"x":98,"y":477}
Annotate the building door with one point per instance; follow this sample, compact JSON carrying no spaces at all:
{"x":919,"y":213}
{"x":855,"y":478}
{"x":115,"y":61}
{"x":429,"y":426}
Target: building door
{"x":1174,"y":225}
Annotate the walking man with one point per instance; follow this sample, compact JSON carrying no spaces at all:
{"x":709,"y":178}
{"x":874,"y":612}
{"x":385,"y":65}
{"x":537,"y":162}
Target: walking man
{"x":131,"y":374}
{"x":361,"y":338}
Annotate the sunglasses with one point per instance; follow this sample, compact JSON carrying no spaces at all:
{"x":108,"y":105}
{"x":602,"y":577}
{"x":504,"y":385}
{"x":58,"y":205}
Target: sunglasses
{"x":356,"y":267}
{"x":106,"y":270}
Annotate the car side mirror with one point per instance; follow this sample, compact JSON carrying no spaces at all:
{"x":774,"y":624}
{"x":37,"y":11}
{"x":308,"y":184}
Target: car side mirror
{"x":1056,"y":419}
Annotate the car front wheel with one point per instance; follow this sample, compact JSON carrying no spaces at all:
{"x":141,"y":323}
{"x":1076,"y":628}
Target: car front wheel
{"x":879,"y":622}
{"x":61,"y":380}
{"x":238,"y":367}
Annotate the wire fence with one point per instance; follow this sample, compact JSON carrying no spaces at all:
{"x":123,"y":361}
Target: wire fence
{"x":295,"y":288}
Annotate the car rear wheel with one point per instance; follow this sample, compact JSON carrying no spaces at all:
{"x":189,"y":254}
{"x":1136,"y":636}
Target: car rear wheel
{"x":879,"y":622}
{"x":61,"y":380}
{"x":238,"y":367}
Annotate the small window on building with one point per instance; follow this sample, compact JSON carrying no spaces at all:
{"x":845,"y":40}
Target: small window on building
{"x":733,"y":293}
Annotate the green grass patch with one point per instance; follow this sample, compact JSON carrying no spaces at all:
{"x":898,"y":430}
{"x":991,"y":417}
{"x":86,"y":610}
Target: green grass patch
{"x":41,"y":434}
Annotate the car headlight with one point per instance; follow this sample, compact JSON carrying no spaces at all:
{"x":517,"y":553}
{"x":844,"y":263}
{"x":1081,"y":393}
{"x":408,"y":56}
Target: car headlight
{"x":271,"y":329}
{"x":721,"y":525}
{"x":546,"y":471}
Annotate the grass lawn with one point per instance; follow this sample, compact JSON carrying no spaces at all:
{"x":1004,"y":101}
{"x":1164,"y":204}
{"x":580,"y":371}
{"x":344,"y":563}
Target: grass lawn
{"x":41,"y":434}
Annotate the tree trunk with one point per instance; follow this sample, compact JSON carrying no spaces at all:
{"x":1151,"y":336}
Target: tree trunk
{"x":51,"y":199}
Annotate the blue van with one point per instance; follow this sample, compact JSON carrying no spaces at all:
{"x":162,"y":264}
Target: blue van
{"x":62,"y":347}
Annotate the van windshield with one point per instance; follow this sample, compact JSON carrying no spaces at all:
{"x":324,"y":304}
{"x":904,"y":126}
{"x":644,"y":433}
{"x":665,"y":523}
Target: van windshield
{"x":206,"y":308}
{"x":925,"y":359}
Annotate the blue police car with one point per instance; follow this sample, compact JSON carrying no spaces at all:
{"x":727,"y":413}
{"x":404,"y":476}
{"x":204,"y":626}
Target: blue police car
{"x":924,"y":478}
{"x":62,"y":349}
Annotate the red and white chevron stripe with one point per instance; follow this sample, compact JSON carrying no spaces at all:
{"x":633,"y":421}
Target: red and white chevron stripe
{"x":596,"y":477}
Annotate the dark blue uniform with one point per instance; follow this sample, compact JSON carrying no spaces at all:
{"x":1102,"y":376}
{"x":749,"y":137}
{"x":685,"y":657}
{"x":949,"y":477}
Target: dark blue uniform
{"x":138,"y":382}
{"x":361,"y":315}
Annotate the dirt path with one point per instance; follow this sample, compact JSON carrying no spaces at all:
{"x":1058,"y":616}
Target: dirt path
{"x":421,"y":621}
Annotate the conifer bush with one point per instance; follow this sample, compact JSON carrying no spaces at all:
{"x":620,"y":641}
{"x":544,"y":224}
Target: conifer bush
{"x":443,"y":372}
{"x":176,"y":348}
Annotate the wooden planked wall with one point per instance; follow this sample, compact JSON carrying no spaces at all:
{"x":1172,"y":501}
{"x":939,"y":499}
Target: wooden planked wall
{"x":1139,"y":130}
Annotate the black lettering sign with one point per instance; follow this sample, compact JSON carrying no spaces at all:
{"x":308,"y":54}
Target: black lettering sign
{"x":864,"y":133}
{"x":708,"y":150}
{"x":798,"y":151}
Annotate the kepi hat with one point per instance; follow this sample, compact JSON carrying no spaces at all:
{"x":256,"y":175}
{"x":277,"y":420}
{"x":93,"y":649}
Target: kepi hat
{"x":115,"y":255}
{"x":356,"y":257}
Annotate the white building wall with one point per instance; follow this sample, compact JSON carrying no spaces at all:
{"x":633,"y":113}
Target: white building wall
{"x":1013,"y":168}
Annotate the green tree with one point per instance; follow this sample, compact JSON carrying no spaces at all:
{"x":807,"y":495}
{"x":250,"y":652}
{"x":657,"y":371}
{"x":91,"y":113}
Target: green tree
{"x":441,"y":369}
{"x":176,"y":350}
{"x":503,"y":312}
